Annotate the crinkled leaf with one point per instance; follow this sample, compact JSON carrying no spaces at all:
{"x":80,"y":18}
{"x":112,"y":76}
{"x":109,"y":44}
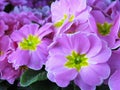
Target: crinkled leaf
{"x":31,"y":76}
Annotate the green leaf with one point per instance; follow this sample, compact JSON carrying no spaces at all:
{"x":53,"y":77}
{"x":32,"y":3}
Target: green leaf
{"x":31,"y":76}
{"x":44,"y":85}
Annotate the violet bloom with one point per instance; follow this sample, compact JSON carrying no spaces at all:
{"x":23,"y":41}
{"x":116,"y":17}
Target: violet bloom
{"x":80,"y":57}
{"x":99,"y":4}
{"x":7,"y":72}
{"x":114,"y":80}
{"x":32,"y":46}
{"x":15,"y":21}
{"x":24,"y":18}
{"x":89,"y":27}
{"x":65,"y":11}
{"x":38,"y":3}
{"x":4,"y":47}
{"x":17,"y":2}
{"x":71,"y":16}
{"x":113,"y":9}
{"x":116,"y":32}
{"x":3,"y":3}
{"x":38,"y":15}
{"x":98,"y":11}
{"x":110,"y":32}
{"x":9,"y":21}
{"x":3,"y":28}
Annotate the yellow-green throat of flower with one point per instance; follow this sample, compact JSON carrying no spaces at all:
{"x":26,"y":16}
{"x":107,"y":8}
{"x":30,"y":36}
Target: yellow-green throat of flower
{"x":104,"y":29}
{"x":76,"y":60}
{"x":61,"y":22}
{"x":30,"y":43}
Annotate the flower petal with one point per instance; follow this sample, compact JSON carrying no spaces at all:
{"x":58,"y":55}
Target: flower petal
{"x":64,"y":77}
{"x":102,"y":70}
{"x":102,"y":56}
{"x":83,"y":86}
{"x":90,"y":77}
{"x":79,"y":42}
{"x":35,"y":62}
{"x":19,"y":58}
{"x":95,"y":45}
{"x":114,"y":81}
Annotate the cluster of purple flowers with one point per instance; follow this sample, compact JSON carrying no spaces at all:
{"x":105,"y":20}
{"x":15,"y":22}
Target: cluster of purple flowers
{"x":76,"y":40}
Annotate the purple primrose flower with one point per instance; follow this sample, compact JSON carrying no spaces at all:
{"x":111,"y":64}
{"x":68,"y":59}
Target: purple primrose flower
{"x":32,"y":46}
{"x":80,"y":57}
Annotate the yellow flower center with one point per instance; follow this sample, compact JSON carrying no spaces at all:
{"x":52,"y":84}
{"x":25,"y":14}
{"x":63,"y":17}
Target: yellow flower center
{"x":76,"y":61}
{"x":30,"y":43}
